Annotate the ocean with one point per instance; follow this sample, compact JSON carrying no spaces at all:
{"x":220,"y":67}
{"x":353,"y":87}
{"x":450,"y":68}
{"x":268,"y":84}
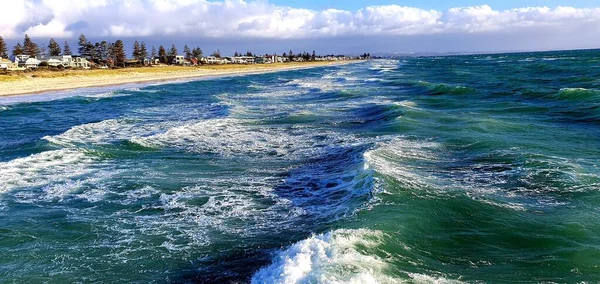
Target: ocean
{"x":477,"y":168}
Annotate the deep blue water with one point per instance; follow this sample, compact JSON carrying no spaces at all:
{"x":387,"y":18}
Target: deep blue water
{"x":462,"y":168}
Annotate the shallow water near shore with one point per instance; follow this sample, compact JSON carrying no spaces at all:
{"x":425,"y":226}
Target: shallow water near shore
{"x":434,"y":169}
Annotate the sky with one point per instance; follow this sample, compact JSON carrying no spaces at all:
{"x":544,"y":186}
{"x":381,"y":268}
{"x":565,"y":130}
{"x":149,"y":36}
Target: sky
{"x":328,"y":26}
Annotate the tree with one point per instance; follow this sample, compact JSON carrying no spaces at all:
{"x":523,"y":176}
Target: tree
{"x":29,"y":47}
{"x":248,"y":53}
{"x":17,"y":50}
{"x":217,"y":54}
{"x":314,"y":56}
{"x":197,"y":53}
{"x":187,"y":51}
{"x":291,"y":55}
{"x":143,"y":51}
{"x":153,"y":54}
{"x":110,"y":55}
{"x":67,"y":49}
{"x":137,"y":50}
{"x":53,"y":48}
{"x":83,"y":46}
{"x":103,"y":50}
{"x":236,"y":54}
{"x":3,"y":50}
{"x":284,"y":55}
{"x":162,"y":54}
{"x":119,"y":53}
{"x":173,"y":51}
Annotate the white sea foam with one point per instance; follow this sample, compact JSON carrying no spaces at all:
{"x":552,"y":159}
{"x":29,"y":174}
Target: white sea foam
{"x":336,"y":257}
{"x":103,"y":132}
{"x":57,"y":170}
{"x":235,"y":136}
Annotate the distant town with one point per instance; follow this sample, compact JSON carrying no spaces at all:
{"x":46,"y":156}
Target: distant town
{"x":109,"y":55}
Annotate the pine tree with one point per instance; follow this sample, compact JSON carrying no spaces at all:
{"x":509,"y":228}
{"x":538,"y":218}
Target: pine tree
{"x":17,"y":50}
{"x":217,"y":53}
{"x":53,"y":48}
{"x":314,"y":56}
{"x":29,"y":47}
{"x":187,"y":51}
{"x":97,"y":55}
{"x":103,"y":50}
{"x":162,"y":54}
{"x":197,"y":53}
{"x":119,"y":53}
{"x":236,"y":54}
{"x":110,"y":55}
{"x":67,"y":49}
{"x":153,"y":54}
{"x":136,"y":51}
{"x":83,"y":46}
{"x":173,"y":51}
{"x":143,"y":51}
{"x":3,"y":49}
{"x":291,"y":55}
{"x":248,"y":53}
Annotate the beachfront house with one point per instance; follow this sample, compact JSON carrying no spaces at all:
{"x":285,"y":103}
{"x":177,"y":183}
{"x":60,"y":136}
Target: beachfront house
{"x":263,"y":59}
{"x":58,"y":61}
{"x":80,"y":62}
{"x":191,"y":61}
{"x":27,"y":62}
{"x":8,"y":65}
{"x":178,"y":60}
{"x":212,"y":60}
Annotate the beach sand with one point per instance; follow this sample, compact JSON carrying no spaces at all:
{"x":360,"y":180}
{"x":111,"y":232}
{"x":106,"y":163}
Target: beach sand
{"x":45,"y":81}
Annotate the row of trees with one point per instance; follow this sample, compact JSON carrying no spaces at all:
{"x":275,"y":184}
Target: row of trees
{"x":114,"y":53}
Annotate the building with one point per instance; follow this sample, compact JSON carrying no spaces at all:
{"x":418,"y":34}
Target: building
{"x":212,"y":60}
{"x":80,"y":62}
{"x":192,"y":61}
{"x":27,"y":62}
{"x":178,"y":60}
{"x":8,"y":65}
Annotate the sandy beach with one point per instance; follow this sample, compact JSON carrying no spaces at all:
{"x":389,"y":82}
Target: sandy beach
{"x":46,"y":81}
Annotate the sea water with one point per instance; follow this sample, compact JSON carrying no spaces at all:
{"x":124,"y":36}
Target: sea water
{"x":431,"y":169}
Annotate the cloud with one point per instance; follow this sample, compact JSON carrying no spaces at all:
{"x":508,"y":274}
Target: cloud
{"x":262,"y":20}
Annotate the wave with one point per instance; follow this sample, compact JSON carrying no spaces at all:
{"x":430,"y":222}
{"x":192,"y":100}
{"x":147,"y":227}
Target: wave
{"x":445,"y":89}
{"x":57,"y":171}
{"x":579,"y":94}
{"x":341,"y":256}
{"x":229,"y":137}
{"x":103,"y":132}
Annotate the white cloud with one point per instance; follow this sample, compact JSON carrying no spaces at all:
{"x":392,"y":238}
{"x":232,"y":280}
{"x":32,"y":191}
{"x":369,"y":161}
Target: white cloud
{"x":260,"y":19}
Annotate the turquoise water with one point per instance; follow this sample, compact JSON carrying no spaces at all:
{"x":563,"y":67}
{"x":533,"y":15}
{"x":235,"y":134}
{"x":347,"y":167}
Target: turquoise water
{"x":458,"y":169}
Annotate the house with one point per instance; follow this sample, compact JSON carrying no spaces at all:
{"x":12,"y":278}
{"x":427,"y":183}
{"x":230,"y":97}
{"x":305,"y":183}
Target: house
{"x":212,"y":60}
{"x":131,"y":62}
{"x":80,"y":62}
{"x":178,"y":60}
{"x":192,"y":61}
{"x":263,"y":60}
{"x":27,"y":62}
{"x":58,"y":61}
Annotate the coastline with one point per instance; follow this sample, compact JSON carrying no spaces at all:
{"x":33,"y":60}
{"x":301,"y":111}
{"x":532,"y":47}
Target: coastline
{"x":50,"y":81}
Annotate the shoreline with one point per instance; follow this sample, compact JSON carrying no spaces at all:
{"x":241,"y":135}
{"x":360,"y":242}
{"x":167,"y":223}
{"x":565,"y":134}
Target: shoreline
{"x":78,"y":79}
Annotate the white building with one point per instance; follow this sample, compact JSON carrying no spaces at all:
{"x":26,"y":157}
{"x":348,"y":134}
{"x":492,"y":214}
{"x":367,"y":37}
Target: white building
{"x":27,"y":62}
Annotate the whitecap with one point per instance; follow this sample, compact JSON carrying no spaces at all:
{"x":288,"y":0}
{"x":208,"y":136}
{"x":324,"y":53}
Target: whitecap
{"x":58,"y":170}
{"x":341,"y":256}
